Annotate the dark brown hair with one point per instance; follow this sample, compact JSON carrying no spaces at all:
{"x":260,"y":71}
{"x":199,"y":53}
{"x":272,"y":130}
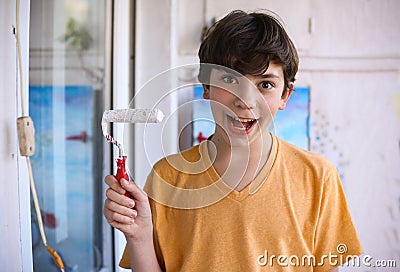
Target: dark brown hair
{"x":246,"y":43}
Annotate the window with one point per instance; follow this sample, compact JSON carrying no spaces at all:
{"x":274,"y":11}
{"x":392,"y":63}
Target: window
{"x":66,"y":99}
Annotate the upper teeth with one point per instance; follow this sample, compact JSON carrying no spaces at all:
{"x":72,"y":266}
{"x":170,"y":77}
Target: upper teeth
{"x":244,"y":119}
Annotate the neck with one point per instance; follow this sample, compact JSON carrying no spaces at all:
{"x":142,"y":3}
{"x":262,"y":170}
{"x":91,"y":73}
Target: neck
{"x":254,"y":151}
{"x":232,"y":162}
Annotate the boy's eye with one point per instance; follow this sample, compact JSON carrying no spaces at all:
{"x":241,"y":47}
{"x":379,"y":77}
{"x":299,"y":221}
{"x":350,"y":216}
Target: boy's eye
{"x":266,"y":85}
{"x":229,"y":79}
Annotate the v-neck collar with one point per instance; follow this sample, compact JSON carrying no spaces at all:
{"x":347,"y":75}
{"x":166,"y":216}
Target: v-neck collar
{"x":253,"y":186}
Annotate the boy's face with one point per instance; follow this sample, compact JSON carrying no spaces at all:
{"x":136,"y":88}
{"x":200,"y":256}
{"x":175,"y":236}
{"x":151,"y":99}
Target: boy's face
{"x":244,"y":106}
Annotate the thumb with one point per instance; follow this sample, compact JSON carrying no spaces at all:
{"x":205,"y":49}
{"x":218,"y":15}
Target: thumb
{"x":134,"y":190}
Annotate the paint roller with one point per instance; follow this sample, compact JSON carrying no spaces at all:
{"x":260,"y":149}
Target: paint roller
{"x":127,"y":116}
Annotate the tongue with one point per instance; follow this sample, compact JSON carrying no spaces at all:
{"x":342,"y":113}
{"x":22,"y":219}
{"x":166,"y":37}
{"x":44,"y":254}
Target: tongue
{"x":245,"y":124}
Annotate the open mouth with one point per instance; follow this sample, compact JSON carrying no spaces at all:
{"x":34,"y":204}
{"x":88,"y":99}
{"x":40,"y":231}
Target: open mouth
{"x":242,"y":124}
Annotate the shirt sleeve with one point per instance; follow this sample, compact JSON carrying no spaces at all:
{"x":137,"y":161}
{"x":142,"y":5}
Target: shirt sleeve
{"x":125,"y":260}
{"x":336,"y":241}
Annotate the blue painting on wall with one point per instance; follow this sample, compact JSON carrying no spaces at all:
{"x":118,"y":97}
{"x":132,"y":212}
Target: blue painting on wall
{"x":203,"y":124}
{"x":292,"y":123}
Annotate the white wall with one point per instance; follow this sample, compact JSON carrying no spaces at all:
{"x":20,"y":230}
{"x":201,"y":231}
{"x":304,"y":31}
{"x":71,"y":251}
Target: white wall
{"x":154,"y":53}
{"x":15,"y":234}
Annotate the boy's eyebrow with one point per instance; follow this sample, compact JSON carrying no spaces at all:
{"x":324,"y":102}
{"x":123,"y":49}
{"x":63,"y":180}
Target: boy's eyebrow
{"x":269,"y":76}
{"x":230,"y":71}
{"x":236,"y":73}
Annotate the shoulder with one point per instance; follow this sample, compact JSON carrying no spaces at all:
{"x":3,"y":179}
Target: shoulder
{"x":308,"y":174}
{"x":173,"y":178}
{"x":297,"y":153}
{"x":300,"y":160}
{"x":175,"y":162}
{"x":183,"y":169}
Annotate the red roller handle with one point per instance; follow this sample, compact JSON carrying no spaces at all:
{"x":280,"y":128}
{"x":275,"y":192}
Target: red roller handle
{"x":121,"y":171}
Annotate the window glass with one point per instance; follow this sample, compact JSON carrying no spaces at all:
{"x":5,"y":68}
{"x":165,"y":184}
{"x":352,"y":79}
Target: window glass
{"x":66,"y":93}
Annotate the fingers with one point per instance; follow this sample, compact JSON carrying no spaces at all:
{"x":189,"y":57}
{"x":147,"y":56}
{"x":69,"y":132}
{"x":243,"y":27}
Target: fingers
{"x":134,"y":190}
{"x":117,"y":191}
{"x":126,"y":213}
{"x":123,"y":186}
{"x":111,"y":181}
{"x":140,"y":198}
{"x":116,"y":213}
{"x":121,"y":209}
{"x":121,"y":199}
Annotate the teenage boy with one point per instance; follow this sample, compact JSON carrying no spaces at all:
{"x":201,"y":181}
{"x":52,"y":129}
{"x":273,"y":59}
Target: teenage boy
{"x":244,"y":200}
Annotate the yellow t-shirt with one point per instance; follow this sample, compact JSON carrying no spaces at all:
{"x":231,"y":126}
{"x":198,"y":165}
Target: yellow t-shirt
{"x":292,"y":217}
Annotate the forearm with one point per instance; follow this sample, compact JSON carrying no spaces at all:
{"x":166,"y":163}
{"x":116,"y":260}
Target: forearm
{"x":142,"y":254}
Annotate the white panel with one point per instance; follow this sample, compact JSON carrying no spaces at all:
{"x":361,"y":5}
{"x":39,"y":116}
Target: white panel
{"x":154,"y":54}
{"x":294,"y":14}
{"x":121,"y":88}
{"x":15,"y":234}
{"x":189,"y":23}
{"x":356,"y":28}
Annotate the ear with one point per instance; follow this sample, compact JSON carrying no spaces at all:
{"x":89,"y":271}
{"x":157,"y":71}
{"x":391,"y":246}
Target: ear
{"x":206,"y":93}
{"x":285,"y":96}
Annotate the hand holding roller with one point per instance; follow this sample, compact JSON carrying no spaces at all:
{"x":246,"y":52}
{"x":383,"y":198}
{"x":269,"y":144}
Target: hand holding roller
{"x":127,"y":116}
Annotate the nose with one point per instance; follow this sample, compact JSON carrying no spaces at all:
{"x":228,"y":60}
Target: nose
{"x":246,"y":96}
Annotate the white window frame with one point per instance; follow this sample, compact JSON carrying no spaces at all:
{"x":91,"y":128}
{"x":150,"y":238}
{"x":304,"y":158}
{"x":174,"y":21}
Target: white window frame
{"x":15,"y":222}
